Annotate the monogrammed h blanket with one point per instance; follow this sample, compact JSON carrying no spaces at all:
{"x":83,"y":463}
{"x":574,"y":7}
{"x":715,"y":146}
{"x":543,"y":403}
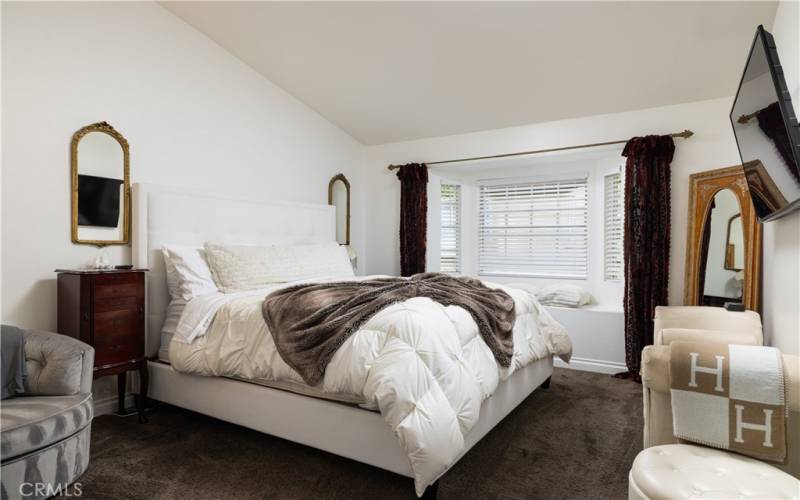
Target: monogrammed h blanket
{"x":310,"y":322}
{"x":729,"y":397}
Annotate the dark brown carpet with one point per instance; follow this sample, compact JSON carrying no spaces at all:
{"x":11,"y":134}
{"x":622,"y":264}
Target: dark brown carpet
{"x":574,"y":440}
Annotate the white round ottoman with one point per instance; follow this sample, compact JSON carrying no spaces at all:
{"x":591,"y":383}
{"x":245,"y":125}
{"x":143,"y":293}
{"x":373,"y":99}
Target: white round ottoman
{"x":689,"y":471}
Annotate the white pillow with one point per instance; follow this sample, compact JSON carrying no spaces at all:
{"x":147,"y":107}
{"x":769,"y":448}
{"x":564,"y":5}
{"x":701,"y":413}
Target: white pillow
{"x":188,"y":275}
{"x":563,"y":295}
{"x":241,"y":267}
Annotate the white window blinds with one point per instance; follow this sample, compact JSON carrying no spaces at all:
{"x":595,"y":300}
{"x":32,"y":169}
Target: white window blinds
{"x":535,"y":229}
{"x":450,"y":234}
{"x":613,"y":227}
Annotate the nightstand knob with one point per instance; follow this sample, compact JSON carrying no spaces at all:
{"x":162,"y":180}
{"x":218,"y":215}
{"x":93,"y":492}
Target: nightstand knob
{"x":86,"y":316}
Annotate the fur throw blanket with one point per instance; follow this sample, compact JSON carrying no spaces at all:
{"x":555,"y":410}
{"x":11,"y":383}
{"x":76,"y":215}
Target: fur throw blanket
{"x":310,"y":322}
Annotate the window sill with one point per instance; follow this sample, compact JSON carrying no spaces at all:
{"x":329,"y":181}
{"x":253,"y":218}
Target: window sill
{"x":536,"y":276}
{"x":591,"y":307}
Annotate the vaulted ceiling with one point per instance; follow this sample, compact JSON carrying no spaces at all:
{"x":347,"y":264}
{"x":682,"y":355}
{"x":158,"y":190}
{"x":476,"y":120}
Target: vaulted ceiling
{"x":394,"y":71}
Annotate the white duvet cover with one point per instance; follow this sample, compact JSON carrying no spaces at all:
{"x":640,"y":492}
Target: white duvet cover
{"x":424,"y":366}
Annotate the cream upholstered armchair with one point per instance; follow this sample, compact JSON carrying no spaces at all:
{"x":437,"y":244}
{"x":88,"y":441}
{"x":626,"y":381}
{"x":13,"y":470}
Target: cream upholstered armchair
{"x":711,"y":324}
{"x":665,"y":469}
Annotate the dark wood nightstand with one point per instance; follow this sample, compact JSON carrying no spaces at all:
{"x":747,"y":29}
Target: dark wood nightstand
{"x":105,"y":309}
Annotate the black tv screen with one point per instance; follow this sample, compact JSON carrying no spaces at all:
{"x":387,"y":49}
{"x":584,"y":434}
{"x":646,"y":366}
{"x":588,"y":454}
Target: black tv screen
{"x":767,"y":133}
{"x":98,"y":201}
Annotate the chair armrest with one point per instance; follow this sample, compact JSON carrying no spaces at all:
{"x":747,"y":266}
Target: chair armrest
{"x":666,"y":336}
{"x":747,"y":323}
{"x":655,"y":368}
{"x":57,"y":365}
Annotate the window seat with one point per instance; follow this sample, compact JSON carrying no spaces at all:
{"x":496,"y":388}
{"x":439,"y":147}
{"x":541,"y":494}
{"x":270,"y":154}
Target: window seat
{"x":591,"y":307}
{"x":598,"y":337}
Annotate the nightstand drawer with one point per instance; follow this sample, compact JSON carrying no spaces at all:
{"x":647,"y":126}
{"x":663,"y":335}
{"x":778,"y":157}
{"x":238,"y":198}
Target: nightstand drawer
{"x":115,"y":290}
{"x":117,"y":285}
{"x":115,"y":326}
{"x":117,"y":336}
{"x":116,"y":304}
{"x":117,"y":352}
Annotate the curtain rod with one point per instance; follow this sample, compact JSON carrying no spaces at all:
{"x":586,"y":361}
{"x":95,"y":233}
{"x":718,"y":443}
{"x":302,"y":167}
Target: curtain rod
{"x":685,"y":134}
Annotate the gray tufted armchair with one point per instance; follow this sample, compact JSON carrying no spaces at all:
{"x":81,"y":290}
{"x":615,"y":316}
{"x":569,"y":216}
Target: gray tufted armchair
{"x":46,"y":431}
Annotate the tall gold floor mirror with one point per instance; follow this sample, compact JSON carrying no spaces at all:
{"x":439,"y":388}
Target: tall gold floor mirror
{"x":723,"y":252}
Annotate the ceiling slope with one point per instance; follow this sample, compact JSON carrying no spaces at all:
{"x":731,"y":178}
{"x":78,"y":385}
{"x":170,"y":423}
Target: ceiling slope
{"x":395,"y":71}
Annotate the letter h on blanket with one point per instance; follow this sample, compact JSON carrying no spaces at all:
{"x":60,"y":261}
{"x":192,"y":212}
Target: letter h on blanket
{"x":716,"y":371}
{"x":737,"y":405}
{"x":766,"y":428}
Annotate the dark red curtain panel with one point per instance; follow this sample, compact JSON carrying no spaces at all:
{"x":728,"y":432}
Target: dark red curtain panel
{"x":413,"y":217}
{"x":647,"y":216}
{"x":770,"y":121}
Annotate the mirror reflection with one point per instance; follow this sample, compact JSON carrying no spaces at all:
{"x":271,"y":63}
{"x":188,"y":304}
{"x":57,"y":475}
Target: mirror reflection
{"x":734,"y":251}
{"x":339,"y":196}
{"x":722,"y":251}
{"x":99,"y":186}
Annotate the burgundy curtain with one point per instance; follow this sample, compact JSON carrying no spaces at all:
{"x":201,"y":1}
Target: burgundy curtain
{"x":770,"y":121}
{"x":646,"y":244}
{"x":413,"y":217}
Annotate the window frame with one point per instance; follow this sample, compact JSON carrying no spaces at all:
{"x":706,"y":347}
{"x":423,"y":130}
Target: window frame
{"x":621,"y":276}
{"x":459,"y":226}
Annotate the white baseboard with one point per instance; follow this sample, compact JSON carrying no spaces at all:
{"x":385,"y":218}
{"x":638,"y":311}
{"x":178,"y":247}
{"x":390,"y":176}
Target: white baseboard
{"x":592,"y":365}
{"x":108,"y":405}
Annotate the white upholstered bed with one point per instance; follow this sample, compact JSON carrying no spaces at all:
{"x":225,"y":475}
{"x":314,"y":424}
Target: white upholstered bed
{"x":170,"y":215}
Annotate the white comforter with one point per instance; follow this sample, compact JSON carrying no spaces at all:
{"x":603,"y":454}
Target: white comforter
{"x":423,"y":365}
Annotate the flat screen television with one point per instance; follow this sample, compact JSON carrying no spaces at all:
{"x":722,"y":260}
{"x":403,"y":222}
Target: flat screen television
{"x":98,"y":201}
{"x":767,"y":132}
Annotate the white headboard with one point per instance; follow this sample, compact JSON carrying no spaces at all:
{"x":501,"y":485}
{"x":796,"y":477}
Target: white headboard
{"x":178,"y":216}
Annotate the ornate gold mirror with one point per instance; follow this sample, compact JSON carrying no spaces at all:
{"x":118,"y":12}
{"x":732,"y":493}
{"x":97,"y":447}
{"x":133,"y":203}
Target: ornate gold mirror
{"x":339,"y":197}
{"x":100,"y":186}
{"x":723,"y":254}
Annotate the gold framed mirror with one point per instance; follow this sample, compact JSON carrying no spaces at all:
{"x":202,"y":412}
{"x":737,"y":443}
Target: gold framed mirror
{"x":339,"y":197}
{"x":100,"y":172}
{"x":723,"y":252}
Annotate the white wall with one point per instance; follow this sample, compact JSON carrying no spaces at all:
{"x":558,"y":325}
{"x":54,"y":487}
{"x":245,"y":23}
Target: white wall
{"x":781,"y":297}
{"x":712,"y":146}
{"x":193,"y":115}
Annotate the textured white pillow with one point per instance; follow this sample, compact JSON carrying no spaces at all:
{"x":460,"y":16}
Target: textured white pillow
{"x":188,"y":275}
{"x":563,"y":295}
{"x":242,"y":267}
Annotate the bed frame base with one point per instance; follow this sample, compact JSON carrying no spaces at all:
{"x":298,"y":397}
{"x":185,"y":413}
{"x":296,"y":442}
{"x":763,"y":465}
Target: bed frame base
{"x":431,"y":492}
{"x":338,"y":428}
